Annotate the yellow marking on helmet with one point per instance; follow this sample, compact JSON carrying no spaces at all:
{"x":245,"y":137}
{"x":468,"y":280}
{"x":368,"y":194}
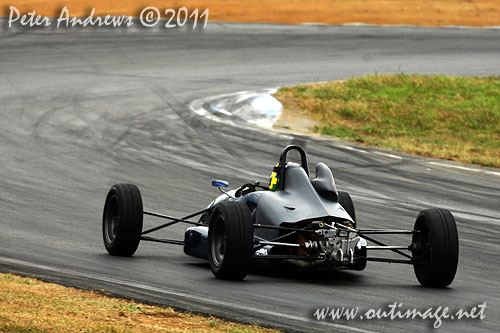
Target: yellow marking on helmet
{"x":274,"y":180}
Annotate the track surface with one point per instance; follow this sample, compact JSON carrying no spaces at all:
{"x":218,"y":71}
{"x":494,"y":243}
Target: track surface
{"x":81,"y":110}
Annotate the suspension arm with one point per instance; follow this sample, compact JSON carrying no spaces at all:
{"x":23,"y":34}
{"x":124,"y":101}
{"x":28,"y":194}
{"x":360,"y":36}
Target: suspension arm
{"x":174,"y":220}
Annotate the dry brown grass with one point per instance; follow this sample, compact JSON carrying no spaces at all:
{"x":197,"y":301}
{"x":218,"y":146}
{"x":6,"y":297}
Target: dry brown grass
{"x":29,"y":305}
{"x":415,"y":12}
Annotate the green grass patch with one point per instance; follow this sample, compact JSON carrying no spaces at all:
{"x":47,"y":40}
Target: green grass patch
{"x":456,"y":118}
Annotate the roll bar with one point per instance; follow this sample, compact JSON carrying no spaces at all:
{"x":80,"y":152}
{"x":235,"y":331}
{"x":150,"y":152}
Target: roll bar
{"x":280,"y":168}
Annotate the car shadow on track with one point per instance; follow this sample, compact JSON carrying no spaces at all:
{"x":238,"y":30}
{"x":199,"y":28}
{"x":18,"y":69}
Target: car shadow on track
{"x":299,"y":272}
{"x":293,"y":272}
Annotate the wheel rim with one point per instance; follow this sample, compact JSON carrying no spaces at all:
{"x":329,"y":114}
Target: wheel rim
{"x":424,"y":250}
{"x":218,"y":244}
{"x":111,"y":220}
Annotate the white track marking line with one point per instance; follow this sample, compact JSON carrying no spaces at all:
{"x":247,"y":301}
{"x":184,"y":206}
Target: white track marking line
{"x":354,"y":149}
{"x":454,"y":166}
{"x":493,"y":173}
{"x":180,"y":294}
{"x":204,"y":113}
{"x":388,"y":155}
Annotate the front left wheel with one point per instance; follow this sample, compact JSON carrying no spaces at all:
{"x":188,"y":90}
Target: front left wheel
{"x":122,"y":220}
{"x":230,"y":239}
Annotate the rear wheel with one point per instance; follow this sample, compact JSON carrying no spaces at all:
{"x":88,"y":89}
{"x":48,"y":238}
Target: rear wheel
{"x":435,"y":248}
{"x":359,"y":264}
{"x":346,"y":202}
{"x":122,"y":220}
{"x":230,"y":239}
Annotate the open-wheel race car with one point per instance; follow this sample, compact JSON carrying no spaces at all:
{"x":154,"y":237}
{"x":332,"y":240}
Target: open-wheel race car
{"x":296,"y":217}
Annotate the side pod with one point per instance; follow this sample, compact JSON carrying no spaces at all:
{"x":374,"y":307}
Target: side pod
{"x":196,"y":242}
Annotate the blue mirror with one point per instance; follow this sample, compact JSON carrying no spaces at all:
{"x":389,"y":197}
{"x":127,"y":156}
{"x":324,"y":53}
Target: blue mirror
{"x":220,"y":183}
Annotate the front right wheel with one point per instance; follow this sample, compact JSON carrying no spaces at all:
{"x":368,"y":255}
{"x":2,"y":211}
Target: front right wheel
{"x":435,"y":248}
{"x":230,"y":239}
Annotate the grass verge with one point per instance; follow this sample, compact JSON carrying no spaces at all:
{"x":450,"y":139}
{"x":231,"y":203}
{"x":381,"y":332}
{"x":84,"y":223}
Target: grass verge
{"x":29,"y":305}
{"x":455,"y":118}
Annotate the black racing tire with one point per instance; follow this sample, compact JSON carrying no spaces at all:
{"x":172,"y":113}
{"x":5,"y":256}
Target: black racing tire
{"x":359,"y":264}
{"x":435,"y":248}
{"x":122,"y":220}
{"x":346,"y":202}
{"x":230,"y":239}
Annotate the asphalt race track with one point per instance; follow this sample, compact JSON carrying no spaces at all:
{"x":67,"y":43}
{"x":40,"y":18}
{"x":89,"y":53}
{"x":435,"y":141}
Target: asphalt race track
{"x":83,"y":109}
